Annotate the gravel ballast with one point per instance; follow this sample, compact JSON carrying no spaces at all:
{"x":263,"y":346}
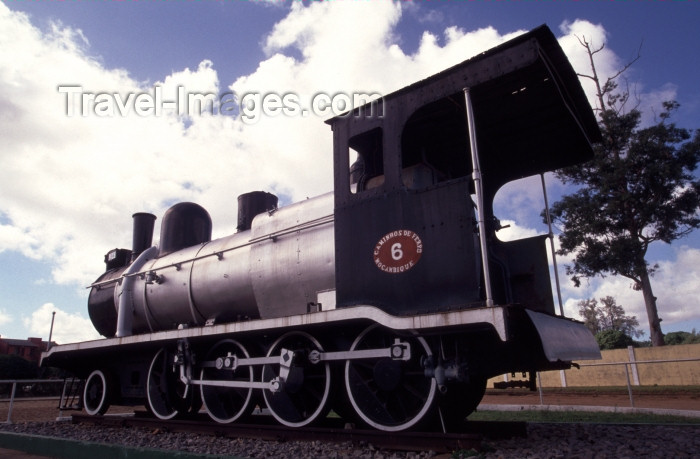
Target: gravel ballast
{"x":570,"y":441}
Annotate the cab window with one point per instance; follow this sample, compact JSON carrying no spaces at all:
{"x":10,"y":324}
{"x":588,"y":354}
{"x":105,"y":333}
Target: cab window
{"x":435,"y":144}
{"x":367,"y":161}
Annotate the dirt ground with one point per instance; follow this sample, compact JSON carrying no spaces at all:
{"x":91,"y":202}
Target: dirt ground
{"x":44,"y":410}
{"x":47,"y":410}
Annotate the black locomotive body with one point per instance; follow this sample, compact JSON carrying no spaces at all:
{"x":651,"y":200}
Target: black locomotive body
{"x":391,"y":300}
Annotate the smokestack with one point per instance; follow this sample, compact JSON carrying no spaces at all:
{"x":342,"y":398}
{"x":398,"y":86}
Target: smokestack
{"x":143,"y":233}
{"x":252,"y":204}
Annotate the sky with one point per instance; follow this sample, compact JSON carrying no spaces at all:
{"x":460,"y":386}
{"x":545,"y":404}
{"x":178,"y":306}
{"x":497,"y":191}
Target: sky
{"x":85,"y":143}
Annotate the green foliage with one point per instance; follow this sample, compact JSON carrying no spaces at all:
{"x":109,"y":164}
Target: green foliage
{"x":638,"y":189}
{"x":607,"y":315}
{"x":682,"y":337}
{"x":15,"y":367}
{"x":613,"y":339}
{"x":580,"y":416}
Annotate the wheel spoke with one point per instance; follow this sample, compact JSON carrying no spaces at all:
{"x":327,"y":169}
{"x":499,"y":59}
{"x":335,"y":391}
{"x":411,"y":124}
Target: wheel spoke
{"x":167,"y":395}
{"x":388,"y":394}
{"x":227,"y":404}
{"x":303,"y":397}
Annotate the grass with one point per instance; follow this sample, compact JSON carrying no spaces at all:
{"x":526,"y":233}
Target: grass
{"x":580,"y":416}
{"x":680,"y":390}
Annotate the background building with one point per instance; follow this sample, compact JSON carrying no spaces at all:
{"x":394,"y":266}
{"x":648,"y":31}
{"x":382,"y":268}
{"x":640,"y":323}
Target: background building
{"x":29,"y":349}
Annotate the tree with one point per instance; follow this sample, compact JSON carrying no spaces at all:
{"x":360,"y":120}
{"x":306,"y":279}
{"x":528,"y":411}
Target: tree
{"x":608,"y":316}
{"x":638,"y":189}
{"x":681,"y":337}
{"x":613,"y":339}
{"x":15,"y":367}
{"x":588,"y":310}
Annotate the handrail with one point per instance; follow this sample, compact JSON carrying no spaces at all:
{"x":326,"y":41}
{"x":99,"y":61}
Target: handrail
{"x":13,"y":392}
{"x":635,"y":362}
{"x":627,"y":371}
{"x":219,"y":253}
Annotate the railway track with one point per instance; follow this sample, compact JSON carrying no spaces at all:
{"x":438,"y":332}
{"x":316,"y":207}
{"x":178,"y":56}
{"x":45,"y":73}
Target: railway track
{"x":470,"y":437}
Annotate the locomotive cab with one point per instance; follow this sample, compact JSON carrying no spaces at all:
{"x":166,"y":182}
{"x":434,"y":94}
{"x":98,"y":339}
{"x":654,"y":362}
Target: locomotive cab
{"x":427,"y":162}
{"x":416,"y":250}
{"x":414,"y":174}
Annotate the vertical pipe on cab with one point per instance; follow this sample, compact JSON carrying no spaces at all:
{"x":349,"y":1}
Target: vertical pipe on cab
{"x":478,"y":189}
{"x":551,"y":243}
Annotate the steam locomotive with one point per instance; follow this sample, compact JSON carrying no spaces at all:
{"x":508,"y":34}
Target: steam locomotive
{"x":390,"y":301}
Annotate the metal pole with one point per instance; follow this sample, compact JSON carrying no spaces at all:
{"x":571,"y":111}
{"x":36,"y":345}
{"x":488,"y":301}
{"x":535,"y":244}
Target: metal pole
{"x":12,"y":402}
{"x":53,"y":316}
{"x":539,"y":387}
{"x":551,"y":242}
{"x":629,"y":386}
{"x":476,"y":177}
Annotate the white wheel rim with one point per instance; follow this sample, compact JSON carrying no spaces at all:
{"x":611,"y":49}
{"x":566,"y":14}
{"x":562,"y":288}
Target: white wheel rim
{"x":159,"y":415}
{"x":389,"y":428}
{"x":244,"y":405}
{"x":88,"y":384}
{"x":326,"y":391}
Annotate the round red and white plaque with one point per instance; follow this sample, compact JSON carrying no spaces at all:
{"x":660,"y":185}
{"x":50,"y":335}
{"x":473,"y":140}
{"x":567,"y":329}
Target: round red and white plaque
{"x":398,"y":251}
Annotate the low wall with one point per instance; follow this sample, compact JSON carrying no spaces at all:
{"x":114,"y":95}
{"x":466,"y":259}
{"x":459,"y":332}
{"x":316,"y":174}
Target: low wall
{"x":645,"y":368}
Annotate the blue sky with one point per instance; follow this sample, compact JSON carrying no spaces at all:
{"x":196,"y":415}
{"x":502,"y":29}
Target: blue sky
{"x":69,"y":184}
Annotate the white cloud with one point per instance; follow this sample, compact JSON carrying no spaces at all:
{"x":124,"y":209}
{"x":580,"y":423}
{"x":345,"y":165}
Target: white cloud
{"x":5,"y":318}
{"x":12,"y":237}
{"x":431,"y":16}
{"x":422,"y":14}
{"x":606,"y":61}
{"x":76,"y":180}
{"x":96,"y":170}
{"x":609,"y":64}
{"x":676,"y":285}
{"x":271,"y":3}
{"x":67,"y":327}
{"x":650,"y":103}
{"x":336,"y":58}
{"x":521,"y":200}
{"x":511,"y":231}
